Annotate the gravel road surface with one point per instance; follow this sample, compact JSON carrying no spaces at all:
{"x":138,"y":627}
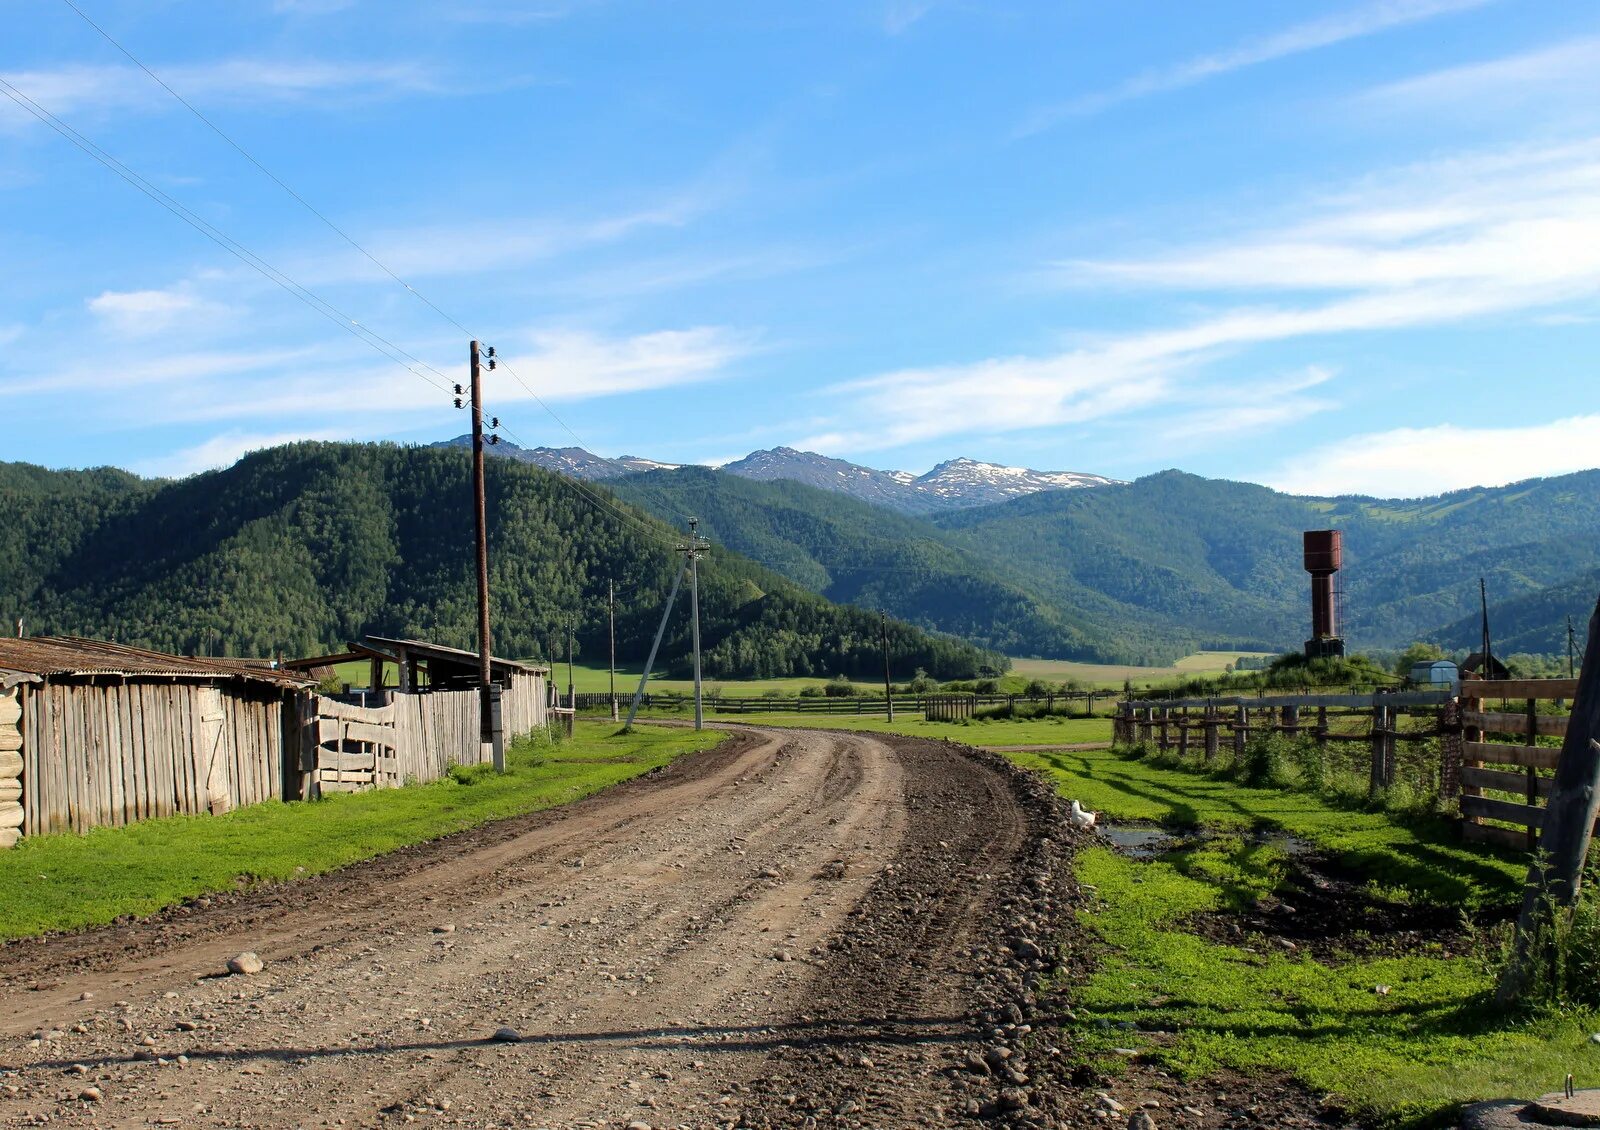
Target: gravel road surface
{"x":797,"y":928}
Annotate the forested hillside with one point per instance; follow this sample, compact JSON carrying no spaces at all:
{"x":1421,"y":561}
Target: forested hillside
{"x":1149,"y":570}
{"x":301,"y":548}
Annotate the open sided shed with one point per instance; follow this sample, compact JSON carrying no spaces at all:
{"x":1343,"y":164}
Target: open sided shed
{"x":108,"y":734}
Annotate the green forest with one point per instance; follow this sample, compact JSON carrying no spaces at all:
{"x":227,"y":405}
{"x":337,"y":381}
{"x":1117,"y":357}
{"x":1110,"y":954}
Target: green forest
{"x":298,"y":549}
{"x":1148,"y":571}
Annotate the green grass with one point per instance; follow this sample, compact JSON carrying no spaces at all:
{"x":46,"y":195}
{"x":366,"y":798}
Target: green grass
{"x":1112,"y":675}
{"x":1409,"y":1057}
{"x":67,"y":881}
{"x":1041,"y":732}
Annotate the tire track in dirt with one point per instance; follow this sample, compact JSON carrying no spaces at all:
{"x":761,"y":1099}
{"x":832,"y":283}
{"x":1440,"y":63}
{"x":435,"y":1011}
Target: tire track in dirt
{"x":798,"y":923}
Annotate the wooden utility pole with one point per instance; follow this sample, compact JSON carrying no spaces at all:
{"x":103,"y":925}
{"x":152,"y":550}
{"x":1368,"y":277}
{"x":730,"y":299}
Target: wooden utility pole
{"x":490,"y":732}
{"x":695,"y":548}
{"x":572,"y":696}
{"x":1556,"y":873}
{"x":888,"y":687}
{"x":611,"y":610}
{"x":655,"y":645}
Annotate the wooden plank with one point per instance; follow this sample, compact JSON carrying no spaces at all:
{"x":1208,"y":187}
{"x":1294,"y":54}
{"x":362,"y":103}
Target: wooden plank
{"x":1472,"y":777}
{"x":1528,"y":815}
{"x":1548,"y":725}
{"x":345,"y":786}
{"x":369,"y":733}
{"x":1512,"y":838}
{"x":10,"y":707}
{"x":10,"y":739}
{"x":1520,"y":688}
{"x":335,"y":761}
{"x":1352,"y":701}
{"x":375,"y":715}
{"x":1495,"y":753}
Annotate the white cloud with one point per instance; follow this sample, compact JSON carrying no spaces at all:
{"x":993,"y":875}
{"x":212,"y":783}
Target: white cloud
{"x":1354,"y":23}
{"x":1571,"y":68}
{"x":136,"y":313}
{"x":899,"y":15}
{"x":77,"y":87}
{"x":1408,"y":462}
{"x":222,"y":451}
{"x":1435,"y":244}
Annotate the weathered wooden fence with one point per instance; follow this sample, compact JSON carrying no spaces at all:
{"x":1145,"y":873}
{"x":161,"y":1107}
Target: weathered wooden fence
{"x":83,"y":754}
{"x":823,"y":704}
{"x":1523,"y":770}
{"x":106,"y":753}
{"x":947,"y":708}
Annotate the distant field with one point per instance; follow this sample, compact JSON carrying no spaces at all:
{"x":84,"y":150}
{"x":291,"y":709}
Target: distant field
{"x":586,"y":678}
{"x":1113,"y":674}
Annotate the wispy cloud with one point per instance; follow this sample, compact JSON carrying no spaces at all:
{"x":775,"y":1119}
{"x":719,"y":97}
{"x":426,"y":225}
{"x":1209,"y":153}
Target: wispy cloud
{"x":1508,"y":83}
{"x":1354,"y":23}
{"x":900,"y":15}
{"x":1408,"y":462}
{"x":136,"y":313}
{"x":79,"y":88}
{"x":223,"y":450}
{"x":1483,"y":235}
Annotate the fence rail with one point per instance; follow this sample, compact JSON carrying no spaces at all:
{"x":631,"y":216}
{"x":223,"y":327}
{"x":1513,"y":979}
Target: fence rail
{"x":916,"y":704}
{"x":1491,"y":767}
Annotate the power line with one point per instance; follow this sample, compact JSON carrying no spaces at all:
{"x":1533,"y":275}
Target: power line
{"x":238,"y":250}
{"x":309,"y":207}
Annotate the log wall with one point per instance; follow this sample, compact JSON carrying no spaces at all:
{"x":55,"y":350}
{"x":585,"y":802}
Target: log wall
{"x":11,"y":810}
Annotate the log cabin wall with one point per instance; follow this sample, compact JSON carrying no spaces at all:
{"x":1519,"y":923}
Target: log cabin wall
{"x":11,"y":810}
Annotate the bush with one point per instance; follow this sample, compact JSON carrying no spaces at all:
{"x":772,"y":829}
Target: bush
{"x":922,"y":683}
{"x":811,"y":691}
{"x":840,"y":687}
{"x":1564,"y":963}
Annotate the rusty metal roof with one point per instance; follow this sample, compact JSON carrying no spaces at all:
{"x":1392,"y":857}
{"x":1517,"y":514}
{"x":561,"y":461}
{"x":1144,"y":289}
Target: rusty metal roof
{"x":69,"y":655}
{"x":424,"y":649}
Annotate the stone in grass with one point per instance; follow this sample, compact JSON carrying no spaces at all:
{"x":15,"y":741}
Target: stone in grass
{"x":1141,"y":1120}
{"x":506,"y":1036}
{"x":91,"y":1094}
{"x":246,"y":963}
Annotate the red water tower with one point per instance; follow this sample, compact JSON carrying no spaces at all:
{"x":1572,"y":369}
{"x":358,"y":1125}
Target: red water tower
{"x":1324,"y":553}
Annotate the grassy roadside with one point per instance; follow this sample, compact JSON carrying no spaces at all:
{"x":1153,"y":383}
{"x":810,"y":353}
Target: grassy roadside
{"x":994,"y":732}
{"x":65,"y":882}
{"x":1405,"y":1054}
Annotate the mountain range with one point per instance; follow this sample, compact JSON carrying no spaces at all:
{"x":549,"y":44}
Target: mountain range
{"x":953,"y":485}
{"x":307,"y":545}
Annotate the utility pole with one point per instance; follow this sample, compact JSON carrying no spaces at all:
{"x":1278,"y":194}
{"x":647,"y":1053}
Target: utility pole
{"x":490,"y":732}
{"x":572,"y":697}
{"x":888,"y":687}
{"x":655,"y":645}
{"x":695,"y":548}
{"x":611,"y":610}
{"x":1488,"y":655}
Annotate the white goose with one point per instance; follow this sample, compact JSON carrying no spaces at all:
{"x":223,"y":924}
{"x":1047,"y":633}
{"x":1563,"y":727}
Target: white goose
{"x":1081,"y":817}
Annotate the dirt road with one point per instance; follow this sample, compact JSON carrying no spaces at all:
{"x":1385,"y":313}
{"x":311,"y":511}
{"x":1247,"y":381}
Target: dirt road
{"x":796,"y":928}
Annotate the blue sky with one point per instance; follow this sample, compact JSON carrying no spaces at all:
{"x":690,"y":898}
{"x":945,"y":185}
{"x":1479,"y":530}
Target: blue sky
{"x":1343,"y":246}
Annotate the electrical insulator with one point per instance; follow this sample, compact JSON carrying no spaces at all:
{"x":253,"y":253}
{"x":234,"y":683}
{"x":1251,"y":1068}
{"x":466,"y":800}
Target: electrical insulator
{"x":458,"y":402}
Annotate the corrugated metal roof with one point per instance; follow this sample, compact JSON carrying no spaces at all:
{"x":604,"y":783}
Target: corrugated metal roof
{"x":424,"y":649}
{"x":69,"y":655}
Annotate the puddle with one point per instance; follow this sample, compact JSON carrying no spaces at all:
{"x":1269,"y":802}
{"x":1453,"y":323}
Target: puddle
{"x":1139,"y":843}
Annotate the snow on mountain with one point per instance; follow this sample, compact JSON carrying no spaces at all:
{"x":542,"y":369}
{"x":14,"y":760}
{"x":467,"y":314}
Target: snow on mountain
{"x":952,"y":485}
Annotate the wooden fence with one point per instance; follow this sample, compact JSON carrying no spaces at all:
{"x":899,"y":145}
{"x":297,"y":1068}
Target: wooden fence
{"x":106,"y":752}
{"x":822,"y":704}
{"x":947,"y":708}
{"x":1522,"y":770}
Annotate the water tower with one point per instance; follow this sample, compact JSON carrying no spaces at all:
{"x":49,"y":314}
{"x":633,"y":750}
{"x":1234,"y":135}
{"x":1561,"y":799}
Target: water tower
{"x":1324,"y":551}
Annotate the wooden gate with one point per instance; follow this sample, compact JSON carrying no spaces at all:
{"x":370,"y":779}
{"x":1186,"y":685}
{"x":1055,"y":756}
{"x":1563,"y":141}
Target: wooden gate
{"x":1521,"y":774}
{"x":350,"y":749}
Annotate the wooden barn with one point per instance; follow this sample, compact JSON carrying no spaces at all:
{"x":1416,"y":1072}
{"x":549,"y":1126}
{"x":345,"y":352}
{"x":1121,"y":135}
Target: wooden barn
{"x":96,"y":734}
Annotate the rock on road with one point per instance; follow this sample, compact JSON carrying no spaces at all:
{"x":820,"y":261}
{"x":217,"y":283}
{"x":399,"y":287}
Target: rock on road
{"x":795,"y":927}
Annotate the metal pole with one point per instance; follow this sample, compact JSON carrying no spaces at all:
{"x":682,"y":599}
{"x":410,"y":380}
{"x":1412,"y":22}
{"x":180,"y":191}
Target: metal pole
{"x":481,"y":532}
{"x":611,"y":608}
{"x":654,"y":646}
{"x":694,"y":606}
{"x":888,"y":687}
